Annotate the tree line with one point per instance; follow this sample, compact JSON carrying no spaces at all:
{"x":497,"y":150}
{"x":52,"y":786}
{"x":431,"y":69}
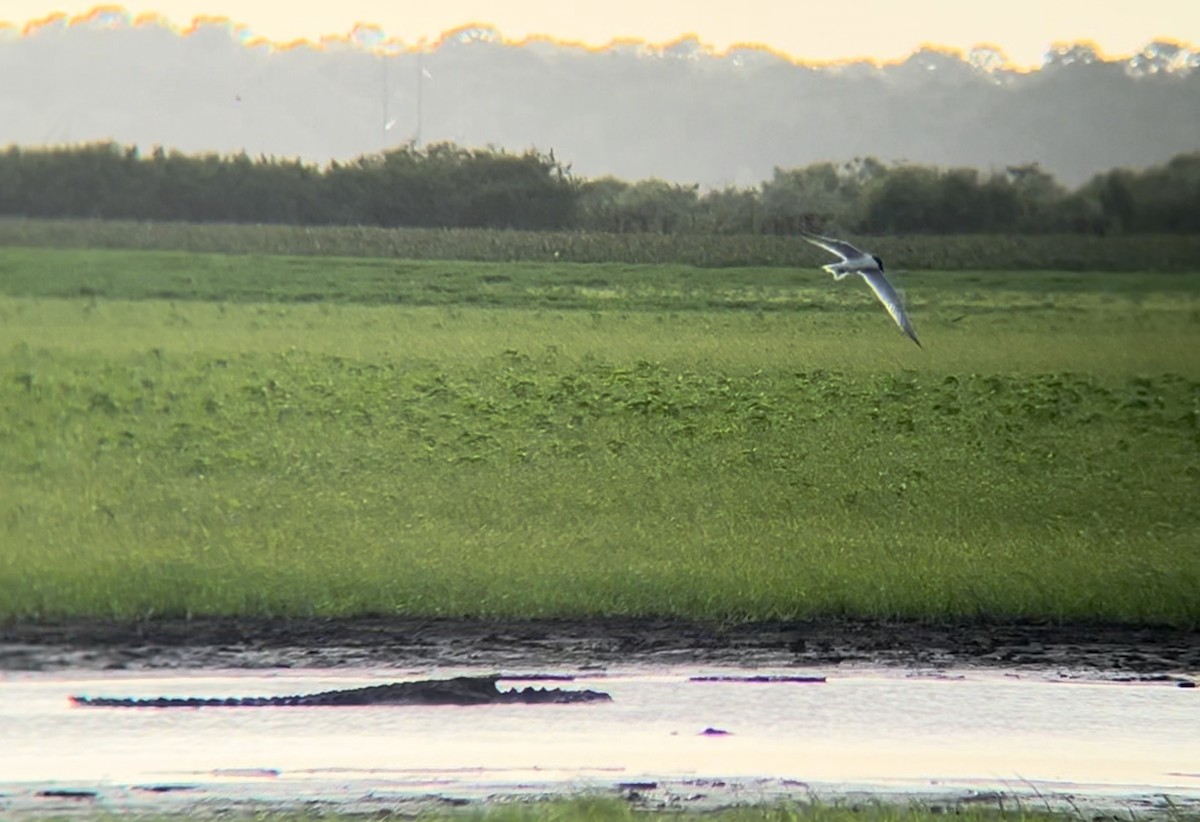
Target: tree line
{"x":448,"y":186}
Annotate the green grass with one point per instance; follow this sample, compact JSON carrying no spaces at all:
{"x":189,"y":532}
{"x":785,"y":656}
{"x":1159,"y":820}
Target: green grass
{"x":650,"y":450}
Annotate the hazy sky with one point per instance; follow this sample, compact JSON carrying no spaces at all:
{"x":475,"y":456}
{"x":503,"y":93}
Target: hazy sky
{"x":810,"y":30}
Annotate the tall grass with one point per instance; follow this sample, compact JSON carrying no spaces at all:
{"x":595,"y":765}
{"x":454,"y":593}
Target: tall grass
{"x":1076,"y":252}
{"x":599,"y":809}
{"x":1039,"y":458}
{"x":604,"y":809}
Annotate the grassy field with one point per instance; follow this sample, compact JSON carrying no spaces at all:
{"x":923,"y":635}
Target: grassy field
{"x":220,"y":434}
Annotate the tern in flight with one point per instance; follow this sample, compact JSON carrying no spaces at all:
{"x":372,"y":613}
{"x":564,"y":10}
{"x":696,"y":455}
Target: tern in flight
{"x":870,"y":268}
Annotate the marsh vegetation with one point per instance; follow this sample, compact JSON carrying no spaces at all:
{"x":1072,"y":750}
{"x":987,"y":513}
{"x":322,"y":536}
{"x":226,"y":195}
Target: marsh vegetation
{"x":257,"y":435}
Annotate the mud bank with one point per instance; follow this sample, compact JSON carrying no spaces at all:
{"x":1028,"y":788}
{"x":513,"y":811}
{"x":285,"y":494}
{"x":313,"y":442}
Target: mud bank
{"x":252,"y":799}
{"x":1115,"y":651}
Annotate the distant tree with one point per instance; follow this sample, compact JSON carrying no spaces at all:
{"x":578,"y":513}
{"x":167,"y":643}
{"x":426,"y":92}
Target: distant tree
{"x":1171,"y":195}
{"x":913,"y":199}
{"x":343,"y":191}
{"x":1039,"y":198}
{"x":446,"y":185}
{"x":600,"y":205}
{"x":1160,"y":198}
{"x":730,"y":210}
{"x":11,"y":194}
{"x":1079,"y":213}
{"x":1117,"y":204}
{"x":528,"y":191}
{"x":809,"y":197}
{"x":1161,"y":57}
{"x":659,"y":207}
{"x":1068,"y":54}
{"x":609,"y":204}
{"x":900,"y":201}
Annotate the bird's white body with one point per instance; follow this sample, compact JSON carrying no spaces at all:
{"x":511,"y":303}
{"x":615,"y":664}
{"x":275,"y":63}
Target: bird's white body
{"x":870,"y":268}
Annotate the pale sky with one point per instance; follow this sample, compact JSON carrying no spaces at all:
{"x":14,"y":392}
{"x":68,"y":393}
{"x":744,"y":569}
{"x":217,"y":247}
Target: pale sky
{"x":805,"y":29}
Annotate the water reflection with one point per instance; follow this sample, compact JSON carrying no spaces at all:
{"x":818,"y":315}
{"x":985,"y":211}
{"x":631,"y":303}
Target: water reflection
{"x":867,"y":729}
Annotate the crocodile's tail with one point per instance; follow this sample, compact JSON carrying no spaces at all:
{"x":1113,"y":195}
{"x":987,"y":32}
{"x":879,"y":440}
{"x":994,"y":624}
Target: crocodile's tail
{"x":189,"y":702}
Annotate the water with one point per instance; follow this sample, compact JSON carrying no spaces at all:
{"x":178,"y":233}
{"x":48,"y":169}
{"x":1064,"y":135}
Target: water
{"x":868,"y":730}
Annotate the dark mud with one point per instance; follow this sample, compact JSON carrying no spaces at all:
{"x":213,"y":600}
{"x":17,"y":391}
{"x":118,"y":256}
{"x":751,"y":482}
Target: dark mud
{"x":545,"y":646}
{"x":697,"y":797}
{"x":1115,"y":651}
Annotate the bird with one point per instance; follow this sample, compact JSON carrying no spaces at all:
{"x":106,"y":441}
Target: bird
{"x":870,"y":268}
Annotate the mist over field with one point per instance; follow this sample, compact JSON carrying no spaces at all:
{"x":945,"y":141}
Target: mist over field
{"x":681,"y":112}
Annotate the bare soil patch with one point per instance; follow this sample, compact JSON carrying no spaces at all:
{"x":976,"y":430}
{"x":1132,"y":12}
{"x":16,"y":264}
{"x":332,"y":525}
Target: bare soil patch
{"x":1113,"y":651}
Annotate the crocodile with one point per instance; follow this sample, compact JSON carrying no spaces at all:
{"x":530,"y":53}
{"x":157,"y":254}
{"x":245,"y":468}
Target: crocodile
{"x":463,"y":690}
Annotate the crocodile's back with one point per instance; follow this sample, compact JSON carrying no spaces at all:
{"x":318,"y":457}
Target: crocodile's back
{"x":463,"y":690}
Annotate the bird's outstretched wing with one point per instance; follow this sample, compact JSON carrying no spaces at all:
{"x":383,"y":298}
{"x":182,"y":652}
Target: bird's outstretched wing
{"x":891,"y":301}
{"x":842,"y":249}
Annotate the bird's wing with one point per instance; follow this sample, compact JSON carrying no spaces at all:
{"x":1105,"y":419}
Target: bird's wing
{"x":891,"y":301}
{"x":842,"y":249}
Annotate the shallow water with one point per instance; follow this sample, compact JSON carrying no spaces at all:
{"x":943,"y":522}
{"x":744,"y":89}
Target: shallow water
{"x":866,"y":730}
